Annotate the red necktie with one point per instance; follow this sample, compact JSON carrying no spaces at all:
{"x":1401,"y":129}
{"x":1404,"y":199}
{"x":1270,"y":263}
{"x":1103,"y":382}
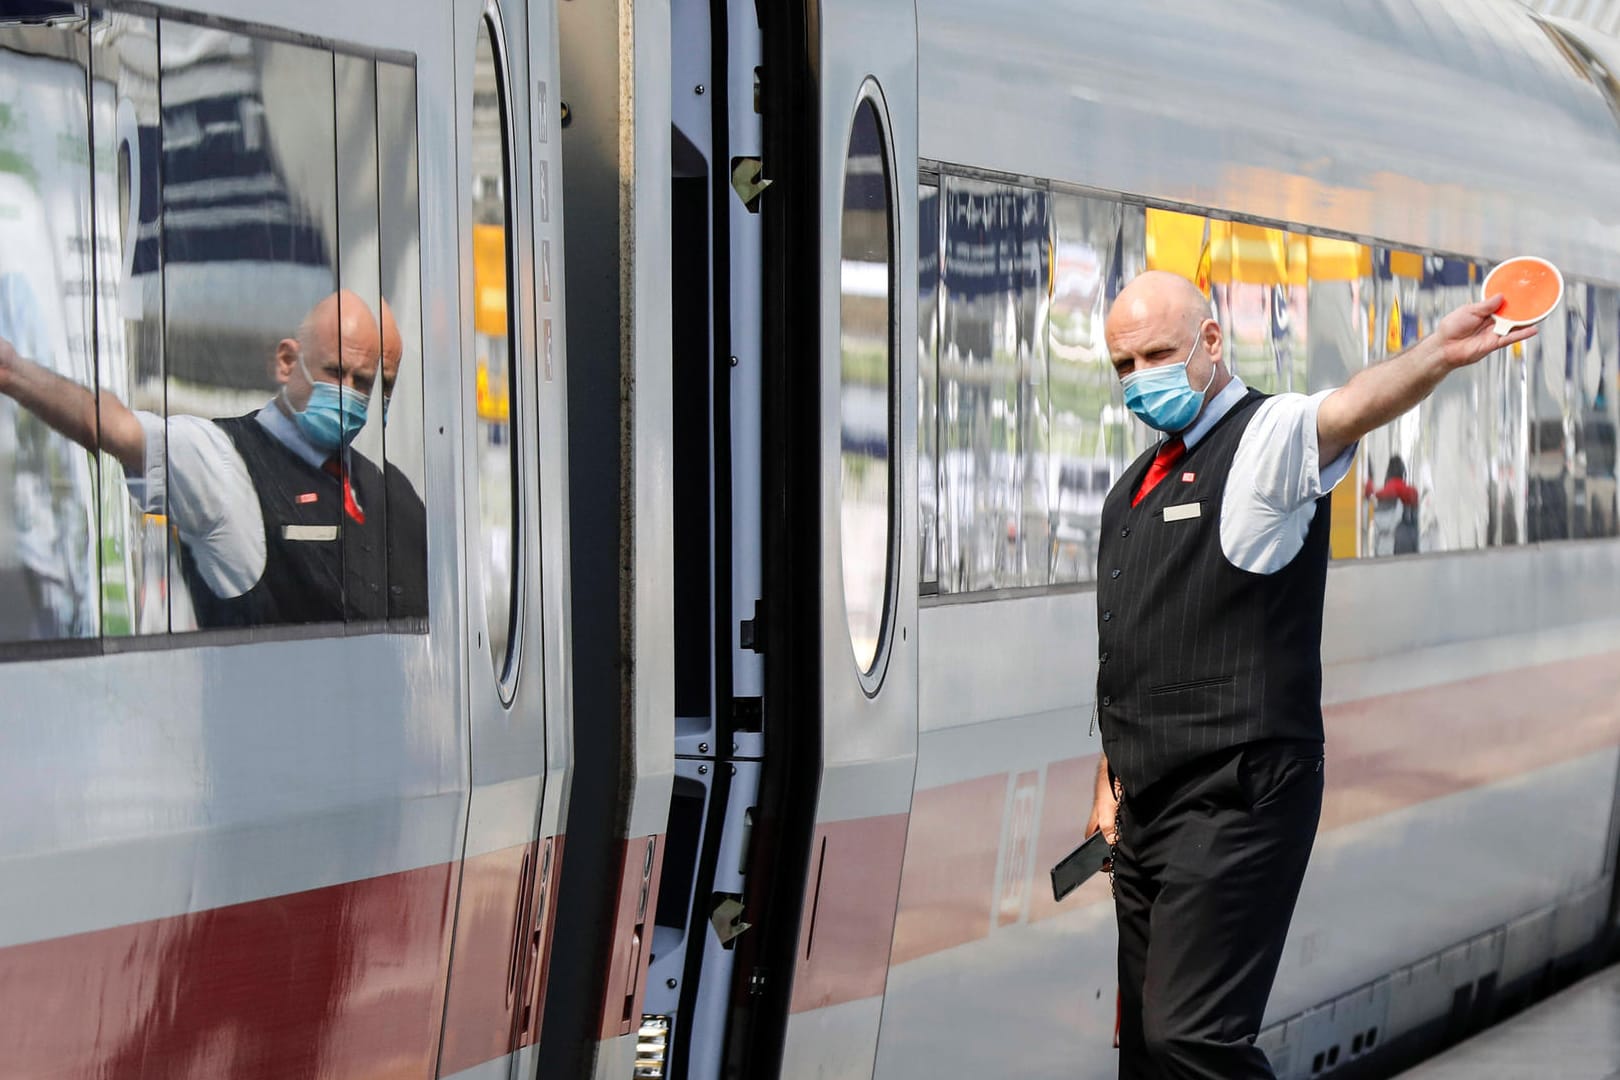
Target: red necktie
{"x":1171,"y":452}
{"x":350,"y":506}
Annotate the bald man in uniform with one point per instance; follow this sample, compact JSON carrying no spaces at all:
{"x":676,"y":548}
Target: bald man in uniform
{"x":267,"y":505}
{"x":1211,"y":574}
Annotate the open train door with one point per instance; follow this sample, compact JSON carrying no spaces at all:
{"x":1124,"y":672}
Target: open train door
{"x":838,"y":623}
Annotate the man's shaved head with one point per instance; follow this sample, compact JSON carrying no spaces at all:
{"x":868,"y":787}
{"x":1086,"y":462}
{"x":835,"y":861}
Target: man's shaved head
{"x":339,"y":342}
{"x":342,"y":321}
{"x":1160,"y":296}
{"x":1162,"y":318}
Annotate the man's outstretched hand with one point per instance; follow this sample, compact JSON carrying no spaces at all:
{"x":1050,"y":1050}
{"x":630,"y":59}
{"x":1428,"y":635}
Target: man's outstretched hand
{"x":1468,"y":334}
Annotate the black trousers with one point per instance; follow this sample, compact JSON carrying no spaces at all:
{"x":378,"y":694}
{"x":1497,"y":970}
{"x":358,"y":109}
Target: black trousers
{"x":1206,"y":872}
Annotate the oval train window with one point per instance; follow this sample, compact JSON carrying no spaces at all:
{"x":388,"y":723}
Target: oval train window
{"x":866,"y":405}
{"x":493,"y":341}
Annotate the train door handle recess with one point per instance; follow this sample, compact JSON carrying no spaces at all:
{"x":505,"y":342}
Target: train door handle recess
{"x":534,"y":982}
{"x":633,"y":967}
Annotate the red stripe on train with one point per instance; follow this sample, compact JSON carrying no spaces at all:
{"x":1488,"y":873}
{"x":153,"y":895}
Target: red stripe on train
{"x":339,"y":981}
{"x":641,"y":867}
{"x":1385,"y":753}
{"x":849,"y":908}
{"x":346,"y":980}
{"x":349,"y":979}
{"x":497,"y":971}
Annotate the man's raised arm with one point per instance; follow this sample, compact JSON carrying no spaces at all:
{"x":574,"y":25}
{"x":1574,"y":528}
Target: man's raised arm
{"x":1378,"y":394}
{"x":71,"y":409}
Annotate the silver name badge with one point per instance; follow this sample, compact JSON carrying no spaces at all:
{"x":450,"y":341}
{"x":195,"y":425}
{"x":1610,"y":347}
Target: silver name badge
{"x":309,"y":532}
{"x":1183,"y":512}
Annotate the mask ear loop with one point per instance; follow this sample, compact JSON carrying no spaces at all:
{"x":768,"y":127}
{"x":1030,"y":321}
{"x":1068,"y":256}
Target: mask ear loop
{"x":287,"y":401}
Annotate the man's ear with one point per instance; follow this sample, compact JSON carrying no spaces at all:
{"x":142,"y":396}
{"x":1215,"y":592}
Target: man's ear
{"x":285,"y":359}
{"x":1213,"y":340}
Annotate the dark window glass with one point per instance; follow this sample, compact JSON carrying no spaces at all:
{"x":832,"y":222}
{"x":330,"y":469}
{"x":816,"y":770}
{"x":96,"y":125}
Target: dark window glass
{"x":866,"y":353}
{"x":495,"y":373}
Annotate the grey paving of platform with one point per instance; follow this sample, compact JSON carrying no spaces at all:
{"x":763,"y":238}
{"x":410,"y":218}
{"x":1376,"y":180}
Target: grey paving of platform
{"x":1574,"y":1035}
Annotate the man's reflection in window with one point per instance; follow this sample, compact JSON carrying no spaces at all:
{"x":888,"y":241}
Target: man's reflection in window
{"x":259,"y":501}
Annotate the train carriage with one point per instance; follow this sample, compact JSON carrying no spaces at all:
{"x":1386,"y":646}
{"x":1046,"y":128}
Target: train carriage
{"x":692,"y":669}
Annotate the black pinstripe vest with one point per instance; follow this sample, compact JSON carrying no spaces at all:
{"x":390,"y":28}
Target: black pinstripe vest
{"x":362,"y":572}
{"x":1194,"y":655}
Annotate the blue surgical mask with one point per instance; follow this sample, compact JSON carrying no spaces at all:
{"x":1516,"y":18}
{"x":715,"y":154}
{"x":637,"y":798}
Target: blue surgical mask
{"x":332,"y":416}
{"x":1163,"y":397}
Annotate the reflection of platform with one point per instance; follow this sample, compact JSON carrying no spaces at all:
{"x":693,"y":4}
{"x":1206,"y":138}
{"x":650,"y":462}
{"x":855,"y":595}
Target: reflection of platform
{"x":1575,"y":1035}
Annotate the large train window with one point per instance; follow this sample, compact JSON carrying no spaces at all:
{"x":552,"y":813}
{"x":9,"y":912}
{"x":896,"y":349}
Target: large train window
{"x":496,"y":374}
{"x":866,"y":350}
{"x":200,"y":341}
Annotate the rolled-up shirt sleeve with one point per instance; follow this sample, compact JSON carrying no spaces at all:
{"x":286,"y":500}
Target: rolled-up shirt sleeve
{"x":1282,"y":447}
{"x":194,"y":474}
{"x":1275,"y":481}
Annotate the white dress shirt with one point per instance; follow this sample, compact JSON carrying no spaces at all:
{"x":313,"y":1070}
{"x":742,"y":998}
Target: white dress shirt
{"x":211,"y":499}
{"x":1275,"y":480}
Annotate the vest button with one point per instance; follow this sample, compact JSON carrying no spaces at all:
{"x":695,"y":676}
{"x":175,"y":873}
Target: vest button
{"x":1126,"y":531}
{"x":1103,"y":659}
{"x":1108,"y":616}
{"x":1107,"y":701}
{"x":1113,"y":573}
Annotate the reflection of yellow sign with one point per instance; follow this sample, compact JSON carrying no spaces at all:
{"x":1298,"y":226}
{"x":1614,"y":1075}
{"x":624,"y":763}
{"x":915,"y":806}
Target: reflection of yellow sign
{"x":1392,"y":339}
{"x":1344,"y":533}
{"x":1176,"y":242}
{"x":1206,"y":251}
{"x":1337,"y":260}
{"x":1406,"y":264}
{"x":494,"y":404}
{"x":489,"y":280}
{"x":1248,"y":254}
{"x":1299,"y":255}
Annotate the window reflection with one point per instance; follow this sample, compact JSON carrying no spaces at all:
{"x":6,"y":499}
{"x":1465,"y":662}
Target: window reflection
{"x":1550,"y":483}
{"x":135,"y":549}
{"x":1335,"y":349}
{"x":1395,"y":468}
{"x":1250,"y":285}
{"x":49,"y":582}
{"x":495,"y":373}
{"x":1089,"y":442}
{"x":928,"y":230}
{"x":1520,"y":447}
{"x":365,"y":581}
{"x":1506,"y":413}
{"x":398,"y":213}
{"x":865,"y":401}
{"x":244,"y":353}
{"x":1457,"y":517}
{"x":252,"y":459}
{"x":994,"y":403}
{"x":1598,"y":407}
{"x":1034,"y":563}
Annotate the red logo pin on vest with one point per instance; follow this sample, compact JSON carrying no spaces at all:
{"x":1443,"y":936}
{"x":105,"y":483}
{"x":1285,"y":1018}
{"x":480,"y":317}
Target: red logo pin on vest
{"x":1187,"y":477}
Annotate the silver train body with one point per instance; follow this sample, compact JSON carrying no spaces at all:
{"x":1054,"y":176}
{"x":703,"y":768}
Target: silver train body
{"x":753,"y":388}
